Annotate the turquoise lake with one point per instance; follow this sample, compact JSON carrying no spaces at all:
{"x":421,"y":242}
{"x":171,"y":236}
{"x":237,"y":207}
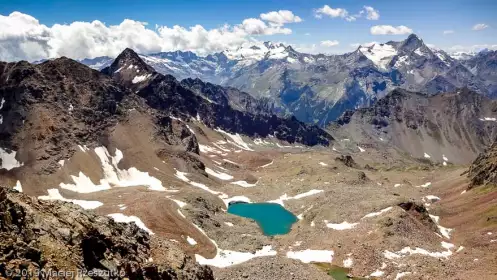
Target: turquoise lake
{"x":272,"y":218}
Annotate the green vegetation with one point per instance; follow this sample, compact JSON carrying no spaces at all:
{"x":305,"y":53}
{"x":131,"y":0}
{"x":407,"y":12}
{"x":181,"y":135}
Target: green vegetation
{"x":337,"y":272}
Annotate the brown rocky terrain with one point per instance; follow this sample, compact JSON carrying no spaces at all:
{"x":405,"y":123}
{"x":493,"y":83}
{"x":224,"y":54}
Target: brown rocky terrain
{"x":60,"y":237}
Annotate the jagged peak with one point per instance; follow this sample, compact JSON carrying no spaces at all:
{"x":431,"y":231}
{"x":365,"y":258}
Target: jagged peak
{"x":412,"y":43}
{"x":128,"y":67}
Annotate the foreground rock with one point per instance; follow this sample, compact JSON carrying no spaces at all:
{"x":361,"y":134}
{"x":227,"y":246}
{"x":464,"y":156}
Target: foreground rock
{"x":61,"y":237}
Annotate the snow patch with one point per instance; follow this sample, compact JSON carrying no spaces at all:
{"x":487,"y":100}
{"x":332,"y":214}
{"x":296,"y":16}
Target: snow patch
{"x":141,"y":78}
{"x":9,"y":160}
{"x":443,"y":230}
{"x":284,"y":197}
{"x":266,"y":165}
{"x":323,"y":164}
{"x":374,"y":214}
{"x":219,"y":175}
{"x":361,"y":149}
{"x":228,"y":224}
{"x":427,"y":155}
{"x":348,"y":262}
{"x":244,"y":184}
{"x":342,"y":226}
{"x":18,"y":186}
{"x":377,"y":273}
{"x":54,"y":194}
{"x":407,"y":251}
{"x":180,"y":203}
{"x":308,"y":255}
{"x":237,"y":140}
{"x":191,"y":241}
{"x":226,"y":258}
{"x":425,"y":185}
{"x":113,"y":176}
{"x":488,"y":119}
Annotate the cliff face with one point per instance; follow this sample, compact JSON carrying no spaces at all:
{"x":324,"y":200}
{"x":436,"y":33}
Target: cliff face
{"x":483,"y":171}
{"x":62,"y":237}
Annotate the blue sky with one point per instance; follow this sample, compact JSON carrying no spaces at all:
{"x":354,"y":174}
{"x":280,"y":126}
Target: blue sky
{"x":428,"y":19}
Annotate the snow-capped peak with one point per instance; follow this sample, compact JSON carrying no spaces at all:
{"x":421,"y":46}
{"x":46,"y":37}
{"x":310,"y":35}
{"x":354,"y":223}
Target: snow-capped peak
{"x":259,"y":51}
{"x":379,"y":54}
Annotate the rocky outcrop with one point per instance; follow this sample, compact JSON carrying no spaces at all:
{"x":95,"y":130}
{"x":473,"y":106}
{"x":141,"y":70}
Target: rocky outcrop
{"x":62,"y":237}
{"x":419,"y":213}
{"x":483,"y":171}
{"x":347,"y":161}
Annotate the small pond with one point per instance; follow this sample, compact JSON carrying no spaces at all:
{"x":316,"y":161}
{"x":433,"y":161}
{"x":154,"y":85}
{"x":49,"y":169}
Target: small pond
{"x":272,"y":218}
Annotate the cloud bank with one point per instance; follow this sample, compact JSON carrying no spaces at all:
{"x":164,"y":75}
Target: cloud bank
{"x":23,"y":37}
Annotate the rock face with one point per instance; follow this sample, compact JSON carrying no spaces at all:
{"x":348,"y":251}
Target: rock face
{"x":484,"y":66}
{"x":229,"y":96}
{"x":483,"y":171}
{"x":60,"y":236}
{"x":450,"y":127}
{"x":319,"y":88}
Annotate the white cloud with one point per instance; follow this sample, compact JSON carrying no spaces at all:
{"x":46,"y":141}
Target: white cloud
{"x":446,"y":32}
{"x":307,"y":34}
{"x":24,"y":37}
{"x":390,"y":30}
{"x":371,"y":13}
{"x":480,"y":26}
{"x":255,"y":26}
{"x":331,"y":12}
{"x":329,"y":43}
{"x":280,"y":17}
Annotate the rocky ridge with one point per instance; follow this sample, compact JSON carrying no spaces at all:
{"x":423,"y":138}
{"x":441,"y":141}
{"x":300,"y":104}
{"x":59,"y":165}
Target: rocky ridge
{"x":450,"y":127}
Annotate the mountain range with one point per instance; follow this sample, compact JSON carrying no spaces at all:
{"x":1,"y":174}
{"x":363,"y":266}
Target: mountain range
{"x":319,"y":88}
{"x":128,"y":144}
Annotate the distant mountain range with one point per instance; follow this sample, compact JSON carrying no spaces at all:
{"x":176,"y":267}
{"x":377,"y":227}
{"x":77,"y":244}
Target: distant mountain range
{"x":319,"y":88}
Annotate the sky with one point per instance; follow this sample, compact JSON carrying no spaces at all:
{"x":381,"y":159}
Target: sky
{"x":32,"y":30}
